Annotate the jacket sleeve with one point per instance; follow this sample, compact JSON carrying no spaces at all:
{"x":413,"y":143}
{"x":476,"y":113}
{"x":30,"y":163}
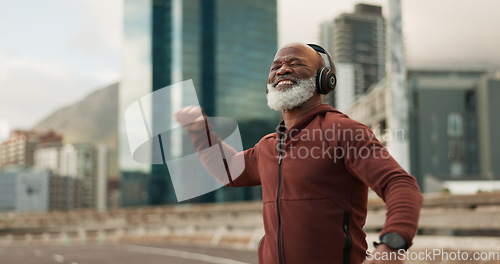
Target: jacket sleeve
{"x":223,"y":162}
{"x":368,"y":160}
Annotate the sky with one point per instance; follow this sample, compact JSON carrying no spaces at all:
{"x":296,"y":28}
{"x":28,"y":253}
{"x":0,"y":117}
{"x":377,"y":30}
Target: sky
{"x":54,"y":52}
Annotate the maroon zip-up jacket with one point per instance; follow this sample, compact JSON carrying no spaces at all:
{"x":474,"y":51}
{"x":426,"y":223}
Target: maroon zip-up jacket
{"x":315,"y":193}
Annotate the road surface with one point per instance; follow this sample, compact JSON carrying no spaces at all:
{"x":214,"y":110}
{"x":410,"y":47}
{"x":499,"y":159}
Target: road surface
{"x":123,"y":254}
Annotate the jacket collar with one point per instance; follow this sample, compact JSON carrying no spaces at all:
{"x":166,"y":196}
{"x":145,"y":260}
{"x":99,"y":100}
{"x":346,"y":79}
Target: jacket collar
{"x":305,"y":120}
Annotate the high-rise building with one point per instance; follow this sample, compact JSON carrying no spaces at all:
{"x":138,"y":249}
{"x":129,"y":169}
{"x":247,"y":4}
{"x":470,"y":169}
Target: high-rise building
{"x":24,"y":189}
{"x":453,"y":120}
{"x":225,"y":47}
{"x":62,"y":193}
{"x":451,"y":124}
{"x":18,"y":150}
{"x":357,"y":44}
{"x":101,"y":177}
{"x":47,"y":156}
{"x":80,"y":174}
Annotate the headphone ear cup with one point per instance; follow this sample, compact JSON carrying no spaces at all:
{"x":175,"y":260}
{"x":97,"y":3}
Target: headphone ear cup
{"x":324,"y":79}
{"x":331,"y":81}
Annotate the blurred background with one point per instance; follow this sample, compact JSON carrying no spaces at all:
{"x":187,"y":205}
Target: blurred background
{"x":424,"y":75}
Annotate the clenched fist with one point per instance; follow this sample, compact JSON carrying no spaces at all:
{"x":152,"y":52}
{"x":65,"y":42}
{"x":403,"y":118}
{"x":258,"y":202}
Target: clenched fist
{"x":191,"y":117}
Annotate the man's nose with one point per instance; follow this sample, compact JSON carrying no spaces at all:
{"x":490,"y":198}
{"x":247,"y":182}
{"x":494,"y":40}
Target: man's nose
{"x":284,"y":69}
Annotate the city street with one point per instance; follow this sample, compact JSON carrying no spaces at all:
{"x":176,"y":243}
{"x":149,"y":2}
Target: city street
{"x":123,"y":254}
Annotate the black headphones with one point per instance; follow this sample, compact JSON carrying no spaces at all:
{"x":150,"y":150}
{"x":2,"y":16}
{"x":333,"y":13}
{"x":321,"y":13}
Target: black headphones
{"x":325,"y":77}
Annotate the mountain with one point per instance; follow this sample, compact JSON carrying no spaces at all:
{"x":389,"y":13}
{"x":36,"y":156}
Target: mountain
{"x":94,"y":119}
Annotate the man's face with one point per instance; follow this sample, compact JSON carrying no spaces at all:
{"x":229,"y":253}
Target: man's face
{"x":292,"y":77}
{"x":292,"y":63}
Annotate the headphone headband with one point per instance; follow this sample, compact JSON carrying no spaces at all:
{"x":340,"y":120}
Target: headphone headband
{"x":320,"y":49}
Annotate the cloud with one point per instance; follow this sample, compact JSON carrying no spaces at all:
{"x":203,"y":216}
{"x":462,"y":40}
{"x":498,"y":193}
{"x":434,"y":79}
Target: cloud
{"x":443,"y":32}
{"x":3,"y":75}
{"x":452,"y":32}
{"x":299,"y":22}
{"x":108,"y":76}
{"x":102,"y":28}
{"x":55,"y":54}
{"x":31,"y":89}
{"x":4,"y":130}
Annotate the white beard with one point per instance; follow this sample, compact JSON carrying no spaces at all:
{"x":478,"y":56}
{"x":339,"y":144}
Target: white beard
{"x":292,"y":97}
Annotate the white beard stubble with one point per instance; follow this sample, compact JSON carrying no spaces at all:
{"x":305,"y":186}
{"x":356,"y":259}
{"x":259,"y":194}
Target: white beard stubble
{"x":292,"y":97}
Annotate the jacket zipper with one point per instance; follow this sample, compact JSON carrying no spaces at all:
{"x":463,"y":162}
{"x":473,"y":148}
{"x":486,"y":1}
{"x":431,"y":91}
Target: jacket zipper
{"x":348,"y":240}
{"x":280,"y":149}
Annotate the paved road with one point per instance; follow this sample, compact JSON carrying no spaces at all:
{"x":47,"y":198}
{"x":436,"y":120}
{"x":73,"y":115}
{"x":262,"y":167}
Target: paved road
{"x":123,"y":254}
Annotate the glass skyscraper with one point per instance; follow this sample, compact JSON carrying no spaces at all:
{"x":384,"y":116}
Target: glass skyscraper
{"x":357,"y":42}
{"x":225,"y":47}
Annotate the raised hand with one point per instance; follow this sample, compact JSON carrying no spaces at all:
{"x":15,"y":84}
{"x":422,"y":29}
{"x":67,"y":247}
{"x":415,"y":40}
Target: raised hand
{"x":191,"y":117}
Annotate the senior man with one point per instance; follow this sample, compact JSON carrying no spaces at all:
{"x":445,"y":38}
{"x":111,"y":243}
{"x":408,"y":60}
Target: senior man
{"x":315,"y":171}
